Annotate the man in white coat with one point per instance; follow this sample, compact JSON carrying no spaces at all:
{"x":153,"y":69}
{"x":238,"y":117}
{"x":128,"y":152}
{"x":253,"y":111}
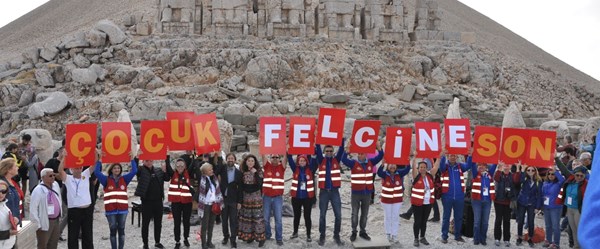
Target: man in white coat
{"x":45,"y":210}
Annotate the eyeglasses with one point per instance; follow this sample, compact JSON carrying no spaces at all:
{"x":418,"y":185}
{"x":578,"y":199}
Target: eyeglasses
{"x":328,"y":151}
{"x":4,"y":191}
{"x":579,"y":175}
{"x":51,"y":175}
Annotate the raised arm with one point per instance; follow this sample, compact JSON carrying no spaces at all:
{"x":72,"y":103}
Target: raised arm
{"x":379,"y":156}
{"x":436,"y":166}
{"x":493,"y":169}
{"x":562,"y":167}
{"x":99,"y":175}
{"x":381,"y":171}
{"x":347,"y":161}
{"x":319,"y":152}
{"x":129,"y":176}
{"x":468,"y":163}
{"x":61,"y":167}
{"x":340,"y":151}
{"x":290,"y":160}
{"x":415,"y":166}
{"x":443,"y":165}
{"x":313,"y":164}
{"x":403,"y":170}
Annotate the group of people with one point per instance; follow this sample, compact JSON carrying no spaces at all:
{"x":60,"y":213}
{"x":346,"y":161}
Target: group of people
{"x":245,"y":197}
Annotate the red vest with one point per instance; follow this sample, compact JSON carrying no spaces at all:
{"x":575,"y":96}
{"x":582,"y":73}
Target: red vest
{"x":476,"y":188}
{"x":336,"y":175}
{"x":179,"y":192}
{"x":418,"y":191}
{"x":362,"y":179}
{"x":273,"y":181}
{"x":115,"y":195}
{"x":391,"y":189}
{"x":310,"y":186}
{"x":560,"y":200}
{"x":446,"y":180}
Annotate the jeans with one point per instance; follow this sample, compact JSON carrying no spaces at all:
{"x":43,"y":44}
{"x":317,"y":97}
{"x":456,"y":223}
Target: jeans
{"x":521,"y":210}
{"x":275,"y":204}
{"x":116,"y":223}
{"x":298,"y":205}
{"x":181,"y":210}
{"x":333,"y":196}
{"x":452,"y":204}
{"x":502,"y":222}
{"x":420,"y":222}
{"x":481,"y":212}
{"x":151,"y":210}
{"x":360,"y":202}
{"x":552,"y":220}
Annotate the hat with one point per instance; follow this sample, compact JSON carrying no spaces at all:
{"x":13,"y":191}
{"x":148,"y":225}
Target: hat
{"x":581,"y":169}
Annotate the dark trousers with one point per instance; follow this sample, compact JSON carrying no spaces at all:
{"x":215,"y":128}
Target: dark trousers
{"x":151,"y":209}
{"x":178,"y":210}
{"x":420,"y":222}
{"x":502,"y":222}
{"x":80,"y":220}
{"x":208,"y":223}
{"x":298,"y":205}
{"x":360,"y":202}
{"x":436,"y":211}
{"x":229,"y":214}
{"x":521,"y":210}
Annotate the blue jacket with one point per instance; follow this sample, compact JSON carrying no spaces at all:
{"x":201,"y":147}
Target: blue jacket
{"x":530,"y":195}
{"x":402,"y":170}
{"x":589,"y":223}
{"x":550,"y":191}
{"x":455,"y":191}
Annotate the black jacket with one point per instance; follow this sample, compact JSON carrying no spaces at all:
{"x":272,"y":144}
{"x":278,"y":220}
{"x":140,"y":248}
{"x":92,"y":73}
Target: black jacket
{"x":144,"y":176}
{"x":233,"y":189}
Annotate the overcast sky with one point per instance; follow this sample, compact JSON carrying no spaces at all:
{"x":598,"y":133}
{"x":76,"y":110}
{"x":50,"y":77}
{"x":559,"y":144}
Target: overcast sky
{"x":569,"y":30}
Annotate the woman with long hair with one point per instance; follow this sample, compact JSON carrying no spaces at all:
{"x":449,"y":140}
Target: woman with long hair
{"x":422,"y":197}
{"x":552,"y":210}
{"x":392,"y":179}
{"x":529,"y":200}
{"x":8,"y":231}
{"x":8,"y":170}
{"x":302,"y":191}
{"x":116,"y":202}
{"x":251,"y":220}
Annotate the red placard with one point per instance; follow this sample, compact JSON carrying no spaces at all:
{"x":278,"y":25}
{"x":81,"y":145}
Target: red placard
{"x":542,"y":146}
{"x":153,"y":138}
{"x":397,"y":145}
{"x":116,"y":142}
{"x":302,"y":136}
{"x":330,"y":129}
{"x":80,"y":144}
{"x":458,"y":136}
{"x":206,"y":133}
{"x":486,"y":148}
{"x":514,"y":145}
{"x":180,"y":130}
{"x":272,"y":135}
{"x":364,"y":136}
{"x":429,"y":141}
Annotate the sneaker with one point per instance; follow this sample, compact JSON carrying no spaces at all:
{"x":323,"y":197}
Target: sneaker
{"x":424,"y":241}
{"x":294,"y":235}
{"x":308,"y":239}
{"x":280,"y":242}
{"x":224,"y":242}
{"x":519,"y":242}
{"x":444,"y":241}
{"x":530,"y":242}
{"x":338,"y":241}
{"x":321,"y":241}
{"x":507,"y":243}
{"x":261,"y":243}
{"x":460,"y":239}
{"x":497,"y":243}
{"x":353,"y":236}
{"x":186,"y":243}
{"x":546,"y":244}
{"x":483,"y":243}
{"x":405,"y":216}
{"x":233,"y":244}
{"x":365,"y":236}
{"x":159,"y":245}
{"x":177,"y":245}
{"x":416,"y":243}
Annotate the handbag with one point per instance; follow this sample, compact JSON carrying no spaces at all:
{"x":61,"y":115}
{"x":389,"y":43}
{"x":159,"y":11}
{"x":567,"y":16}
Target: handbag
{"x":216,"y":208}
{"x":4,"y":235}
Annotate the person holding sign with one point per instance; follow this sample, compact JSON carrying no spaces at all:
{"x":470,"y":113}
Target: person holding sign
{"x":392,"y":178}
{"x":180,"y":196}
{"x":231,"y":183}
{"x":210,"y":201}
{"x":530,"y":199}
{"x":302,"y":191}
{"x":273,"y":195}
{"x":453,"y":194}
{"x":46,"y":209}
{"x":552,"y":211}
{"x":505,"y":182}
{"x":421,"y":197}
{"x":571,"y":195}
{"x":362,"y":187}
{"x":251,"y":220}
{"x":330,"y":181}
{"x":116,"y":201}
{"x":79,"y":200}
{"x":151,"y":191}
{"x":8,"y":223}
{"x":483,"y":192}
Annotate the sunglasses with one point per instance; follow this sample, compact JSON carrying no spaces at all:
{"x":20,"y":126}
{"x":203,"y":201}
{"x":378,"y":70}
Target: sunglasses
{"x":274,"y":157}
{"x":4,"y":191}
{"x":579,"y":175}
{"x":328,"y":151}
{"x":52,"y":175}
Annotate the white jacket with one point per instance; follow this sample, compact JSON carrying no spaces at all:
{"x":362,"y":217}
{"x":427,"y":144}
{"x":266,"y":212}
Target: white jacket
{"x":5,"y":225}
{"x":38,"y":209}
